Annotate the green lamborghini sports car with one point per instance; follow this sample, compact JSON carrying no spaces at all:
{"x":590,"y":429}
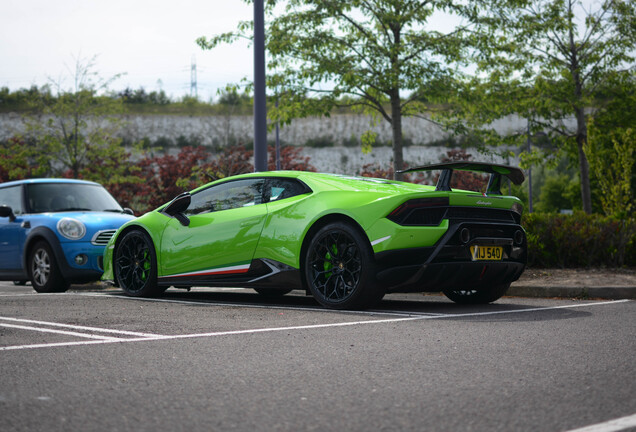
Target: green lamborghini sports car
{"x":345,"y":240}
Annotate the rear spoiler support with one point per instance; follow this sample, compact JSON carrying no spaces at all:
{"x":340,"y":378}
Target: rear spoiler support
{"x":496,"y":172}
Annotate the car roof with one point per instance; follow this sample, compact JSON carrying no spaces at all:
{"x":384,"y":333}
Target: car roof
{"x":47,"y":180}
{"x":331,"y":181}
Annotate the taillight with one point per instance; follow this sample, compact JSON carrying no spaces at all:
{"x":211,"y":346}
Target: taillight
{"x":420,"y":211}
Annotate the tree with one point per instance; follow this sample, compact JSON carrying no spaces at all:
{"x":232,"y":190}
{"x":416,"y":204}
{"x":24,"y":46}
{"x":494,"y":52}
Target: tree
{"x":371,"y":54}
{"x":76,"y":126}
{"x":558,"y":55}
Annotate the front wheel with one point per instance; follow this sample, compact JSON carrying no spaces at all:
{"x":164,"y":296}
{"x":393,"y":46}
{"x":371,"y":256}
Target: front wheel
{"x":483,"y":295}
{"x":43,"y":269}
{"x":135,"y":265}
{"x":339,"y":268}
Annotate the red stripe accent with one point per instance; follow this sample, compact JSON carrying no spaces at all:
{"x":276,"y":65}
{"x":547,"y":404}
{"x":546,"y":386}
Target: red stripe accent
{"x":209,"y":273}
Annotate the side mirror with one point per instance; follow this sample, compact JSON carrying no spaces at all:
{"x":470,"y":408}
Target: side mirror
{"x":178,"y":206}
{"x":6,"y":211}
{"x":129,"y":211}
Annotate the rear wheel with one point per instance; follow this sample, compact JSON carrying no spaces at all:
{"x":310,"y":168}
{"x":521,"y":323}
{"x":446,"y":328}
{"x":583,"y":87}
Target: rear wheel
{"x":43,"y":269}
{"x":483,"y":295}
{"x":136,"y":265}
{"x":340,"y":269}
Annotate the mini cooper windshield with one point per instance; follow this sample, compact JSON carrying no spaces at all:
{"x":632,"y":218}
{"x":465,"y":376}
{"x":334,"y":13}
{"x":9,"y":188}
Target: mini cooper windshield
{"x":59,"y":197}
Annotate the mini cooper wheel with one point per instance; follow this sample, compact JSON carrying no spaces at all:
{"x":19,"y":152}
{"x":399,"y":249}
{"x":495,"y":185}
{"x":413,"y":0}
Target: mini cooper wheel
{"x":43,"y":270}
{"x":339,"y":268}
{"x":135,"y":265}
{"x":483,"y":295}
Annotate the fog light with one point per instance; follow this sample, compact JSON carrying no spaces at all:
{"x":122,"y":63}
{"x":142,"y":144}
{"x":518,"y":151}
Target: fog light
{"x":464,"y":235}
{"x":518,"y":237}
{"x":81,"y":259}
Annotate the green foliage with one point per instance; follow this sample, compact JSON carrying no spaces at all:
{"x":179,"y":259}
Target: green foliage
{"x":548,"y":60}
{"x":559,"y":192}
{"x":320,"y":142}
{"x":374,"y":55}
{"x":579,"y":240}
{"x":71,"y":134}
{"x":140,"y":96}
{"x":611,"y":157}
{"x":21,"y":159}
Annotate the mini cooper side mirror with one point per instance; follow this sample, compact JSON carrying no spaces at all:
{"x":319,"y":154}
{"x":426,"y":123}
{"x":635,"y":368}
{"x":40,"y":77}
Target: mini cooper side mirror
{"x":129,"y":211}
{"x":6,"y":211}
{"x":178,"y":206}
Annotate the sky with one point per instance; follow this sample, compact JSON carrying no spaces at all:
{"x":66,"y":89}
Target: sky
{"x":151,"y":42}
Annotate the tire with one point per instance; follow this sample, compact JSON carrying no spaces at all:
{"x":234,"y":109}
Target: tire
{"x":44,"y":271}
{"x":135,"y":263}
{"x":272,"y":292}
{"x":339,"y":268}
{"x":483,"y":295}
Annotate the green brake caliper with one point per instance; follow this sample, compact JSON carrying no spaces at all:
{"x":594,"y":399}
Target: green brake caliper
{"x":146,"y":266}
{"x":327,"y":264}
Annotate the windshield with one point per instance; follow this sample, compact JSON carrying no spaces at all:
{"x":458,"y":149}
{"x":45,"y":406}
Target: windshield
{"x":58,"y":197}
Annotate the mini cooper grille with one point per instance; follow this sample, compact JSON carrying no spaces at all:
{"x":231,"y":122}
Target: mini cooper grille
{"x":102,"y":238}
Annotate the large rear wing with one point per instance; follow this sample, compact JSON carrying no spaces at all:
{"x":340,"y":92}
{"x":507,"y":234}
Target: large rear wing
{"x":496,"y":172}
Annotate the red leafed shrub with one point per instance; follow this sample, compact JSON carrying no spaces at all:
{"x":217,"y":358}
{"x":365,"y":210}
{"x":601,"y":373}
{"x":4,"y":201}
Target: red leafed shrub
{"x":377,"y":171}
{"x":463,"y":179}
{"x":231,"y":161}
{"x":290,"y":159}
{"x":158,"y":179}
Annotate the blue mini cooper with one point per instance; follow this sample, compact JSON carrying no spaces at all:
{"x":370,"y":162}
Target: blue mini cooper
{"x":53,"y":231}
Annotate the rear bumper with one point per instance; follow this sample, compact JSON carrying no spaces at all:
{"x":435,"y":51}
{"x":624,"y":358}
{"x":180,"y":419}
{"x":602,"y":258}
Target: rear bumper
{"x":449,"y":264}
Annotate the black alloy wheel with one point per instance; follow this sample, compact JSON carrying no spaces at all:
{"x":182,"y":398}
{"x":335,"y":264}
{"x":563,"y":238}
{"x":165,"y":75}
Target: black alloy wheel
{"x":135,"y":265}
{"x":340,"y":269}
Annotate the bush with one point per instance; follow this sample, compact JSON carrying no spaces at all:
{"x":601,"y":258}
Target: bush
{"x":579,"y":240}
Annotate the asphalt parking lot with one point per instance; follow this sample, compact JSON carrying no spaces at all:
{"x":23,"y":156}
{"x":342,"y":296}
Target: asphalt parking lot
{"x":228,"y":359}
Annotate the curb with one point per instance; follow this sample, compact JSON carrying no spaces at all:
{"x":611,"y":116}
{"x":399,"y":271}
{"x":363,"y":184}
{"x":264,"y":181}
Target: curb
{"x":610,"y":293}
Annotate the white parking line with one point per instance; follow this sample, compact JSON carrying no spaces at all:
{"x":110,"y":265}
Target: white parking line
{"x":77,"y":327}
{"x":306,"y":327}
{"x":64,"y":332}
{"x":618,"y":424}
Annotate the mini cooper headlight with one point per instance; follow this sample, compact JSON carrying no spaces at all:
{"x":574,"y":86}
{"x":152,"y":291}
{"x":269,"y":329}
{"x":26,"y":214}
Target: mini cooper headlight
{"x":70,"y":228}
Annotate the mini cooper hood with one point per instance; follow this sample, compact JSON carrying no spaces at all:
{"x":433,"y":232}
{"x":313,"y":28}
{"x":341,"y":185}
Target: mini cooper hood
{"x":95,"y":220}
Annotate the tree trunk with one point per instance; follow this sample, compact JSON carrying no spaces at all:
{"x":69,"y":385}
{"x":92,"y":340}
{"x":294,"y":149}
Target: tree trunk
{"x":396,"y":126}
{"x":584,"y":167}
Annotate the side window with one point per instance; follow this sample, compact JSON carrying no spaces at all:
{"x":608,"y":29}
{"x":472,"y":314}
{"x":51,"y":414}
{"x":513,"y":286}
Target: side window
{"x":12,"y":197}
{"x":225,"y":196}
{"x":281,"y":188}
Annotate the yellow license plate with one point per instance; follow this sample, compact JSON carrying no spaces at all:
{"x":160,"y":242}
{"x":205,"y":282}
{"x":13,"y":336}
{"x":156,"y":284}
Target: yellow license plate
{"x":486,"y":253}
